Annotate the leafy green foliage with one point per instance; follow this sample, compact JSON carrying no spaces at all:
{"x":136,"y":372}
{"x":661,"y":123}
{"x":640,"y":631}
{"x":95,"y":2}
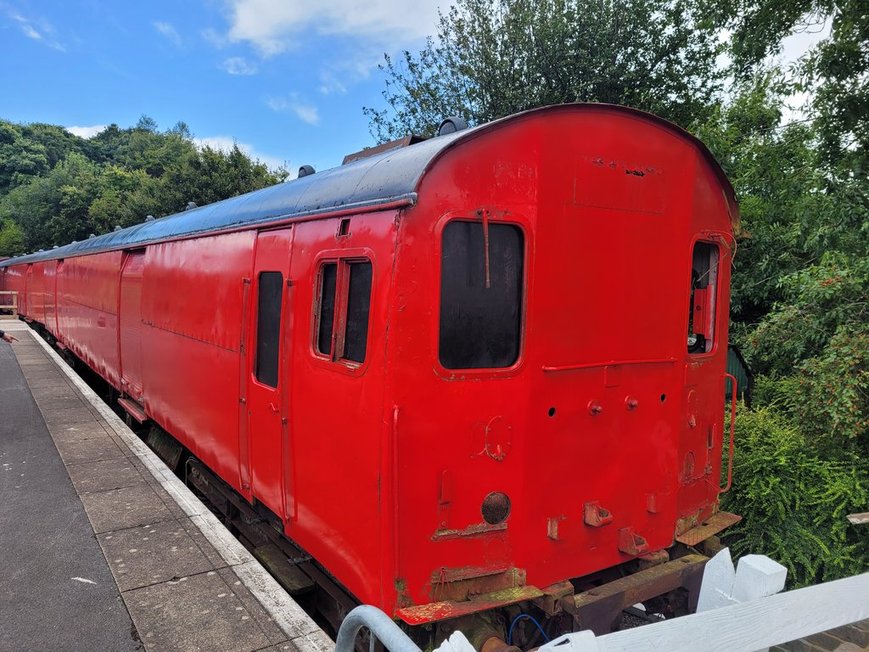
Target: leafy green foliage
{"x":795,"y":501}
{"x":813,"y":351}
{"x":56,"y":187}
{"x":818,"y":301}
{"x":11,"y":239}
{"x":492,"y":58}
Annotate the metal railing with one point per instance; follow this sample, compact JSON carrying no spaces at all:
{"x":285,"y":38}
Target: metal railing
{"x":381,"y":627}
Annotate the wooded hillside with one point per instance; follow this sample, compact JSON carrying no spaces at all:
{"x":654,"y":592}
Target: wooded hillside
{"x":56,"y":187}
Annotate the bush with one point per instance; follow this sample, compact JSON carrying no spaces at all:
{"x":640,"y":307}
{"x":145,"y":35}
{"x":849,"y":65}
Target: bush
{"x":794,"y":502}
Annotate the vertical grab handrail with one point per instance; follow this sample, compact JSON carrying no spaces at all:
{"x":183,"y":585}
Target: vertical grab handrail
{"x":381,"y":626}
{"x":733,"y":396}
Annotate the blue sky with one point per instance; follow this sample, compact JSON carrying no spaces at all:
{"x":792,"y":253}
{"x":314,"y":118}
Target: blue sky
{"x":286,"y":80}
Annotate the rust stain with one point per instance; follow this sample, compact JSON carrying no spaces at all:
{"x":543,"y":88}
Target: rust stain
{"x":711,"y":526}
{"x":469,"y":531}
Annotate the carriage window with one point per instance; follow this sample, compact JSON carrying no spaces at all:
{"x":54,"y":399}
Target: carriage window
{"x":326,"y":317}
{"x":344,"y":307}
{"x":481,"y":295}
{"x":358,"y":304}
{"x":701,"y":305}
{"x":268,"y":327}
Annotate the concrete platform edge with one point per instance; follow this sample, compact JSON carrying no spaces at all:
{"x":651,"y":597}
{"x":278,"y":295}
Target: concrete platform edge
{"x":299,"y":628}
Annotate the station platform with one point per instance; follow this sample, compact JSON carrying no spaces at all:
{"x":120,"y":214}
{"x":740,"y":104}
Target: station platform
{"x":103,"y":547}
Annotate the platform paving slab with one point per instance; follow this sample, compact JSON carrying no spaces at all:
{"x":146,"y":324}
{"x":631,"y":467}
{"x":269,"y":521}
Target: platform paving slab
{"x":123,"y":508}
{"x":95,"y":449}
{"x":54,"y":402}
{"x":196,"y":613}
{"x":80,"y":432}
{"x":252,"y":606}
{"x":104,"y":475}
{"x":193,"y":531}
{"x":151,"y":554}
{"x":67,"y":417}
{"x":57,"y":592}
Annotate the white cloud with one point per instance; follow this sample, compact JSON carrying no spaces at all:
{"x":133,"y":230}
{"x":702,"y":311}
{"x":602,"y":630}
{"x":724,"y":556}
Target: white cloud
{"x":86,"y":132}
{"x":273,"y":27}
{"x":226,"y":143}
{"x":304,"y":111}
{"x":239,"y":66}
{"x":39,"y":30}
{"x":167,"y":30}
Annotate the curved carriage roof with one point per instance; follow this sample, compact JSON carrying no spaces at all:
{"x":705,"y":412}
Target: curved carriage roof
{"x":391,"y":177}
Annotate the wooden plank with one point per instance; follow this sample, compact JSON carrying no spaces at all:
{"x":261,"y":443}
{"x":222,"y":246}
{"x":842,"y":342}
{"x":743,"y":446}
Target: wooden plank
{"x":641,"y":585}
{"x":751,"y":625}
{"x":287,"y":574}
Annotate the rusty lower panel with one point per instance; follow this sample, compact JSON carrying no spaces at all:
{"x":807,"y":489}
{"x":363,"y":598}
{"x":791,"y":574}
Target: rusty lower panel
{"x":711,"y":526}
{"x":598,"y":608}
{"x":428,"y":613}
{"x":459,"y":584}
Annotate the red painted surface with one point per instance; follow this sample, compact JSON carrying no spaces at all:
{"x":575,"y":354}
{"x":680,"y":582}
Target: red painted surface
{"x":379,"y":469}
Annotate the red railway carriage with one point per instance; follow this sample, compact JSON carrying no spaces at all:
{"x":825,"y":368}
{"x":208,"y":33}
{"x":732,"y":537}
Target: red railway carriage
{"x":491,"y":360}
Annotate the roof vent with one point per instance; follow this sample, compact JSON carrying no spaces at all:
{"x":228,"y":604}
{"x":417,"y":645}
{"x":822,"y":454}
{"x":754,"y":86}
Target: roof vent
{"x":306,"y":170}
{"x":54,"y":247}
{"x":117,"y":227}
{"x":383,"y":147}
{"x":190,"y":206}
{"x":451,"y":125}
{"x":150,"y":218}
{"x":90,"y":235}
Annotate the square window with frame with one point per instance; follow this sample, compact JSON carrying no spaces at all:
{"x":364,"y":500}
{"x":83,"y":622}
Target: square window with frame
{"x":342,"y":310}
{"x":482,"y":286}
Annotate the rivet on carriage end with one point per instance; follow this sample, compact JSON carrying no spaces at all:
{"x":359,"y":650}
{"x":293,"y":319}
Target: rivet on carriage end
{"x":631,"y":403}
{"x":594,"y":408}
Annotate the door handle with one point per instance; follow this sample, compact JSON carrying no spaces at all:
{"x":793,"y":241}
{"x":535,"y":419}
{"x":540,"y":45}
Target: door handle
{"x":273,"y":408}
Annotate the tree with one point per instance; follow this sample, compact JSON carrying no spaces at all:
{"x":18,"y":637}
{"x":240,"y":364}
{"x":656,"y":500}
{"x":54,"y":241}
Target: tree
{"x":20,"y":157}
{"x":11,"y":239}
{"x":836,"y":71}
{"x":56,"y":141}
{"x":207,"y":175}
{"x":496,"y":57}
{"x":53,"y":209}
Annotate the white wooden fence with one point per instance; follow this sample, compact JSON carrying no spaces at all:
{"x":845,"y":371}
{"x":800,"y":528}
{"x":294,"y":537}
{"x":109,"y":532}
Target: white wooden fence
{"x":739,"y":609}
